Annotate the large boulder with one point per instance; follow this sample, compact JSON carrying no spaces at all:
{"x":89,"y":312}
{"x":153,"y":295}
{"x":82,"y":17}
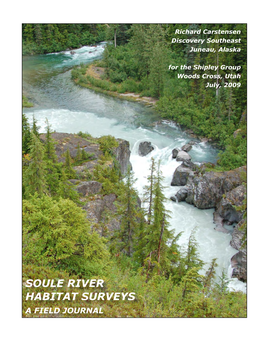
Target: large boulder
{"x":206,"y":191}
{"x":182,"y":156}
{"x":175,"y":152}
{"x":187,"y":147}
{"x":145,"y":148}
{"x":181,"y":175}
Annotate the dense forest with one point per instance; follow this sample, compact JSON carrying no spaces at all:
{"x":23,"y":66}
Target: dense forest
{"x":47,"y":38}
{"x":142,"y":256}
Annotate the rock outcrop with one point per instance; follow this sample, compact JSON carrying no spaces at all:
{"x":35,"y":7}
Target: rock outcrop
{"x":100,"y":208}
{"x":239,"y":265}
{"x":86,"y":188}
{"x":64,"y":141}
{"x":122,"y":154}
{"x":239,"y":260}
{"x":101,"y":213}
{"x":206,"y":191}
{"x":226,"y":207}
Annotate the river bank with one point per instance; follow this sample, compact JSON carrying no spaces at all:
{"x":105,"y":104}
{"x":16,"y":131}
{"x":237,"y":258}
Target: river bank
{"x":94,"y":79}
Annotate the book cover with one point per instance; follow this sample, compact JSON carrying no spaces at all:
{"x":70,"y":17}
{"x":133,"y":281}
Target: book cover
{"x":134,"y":170}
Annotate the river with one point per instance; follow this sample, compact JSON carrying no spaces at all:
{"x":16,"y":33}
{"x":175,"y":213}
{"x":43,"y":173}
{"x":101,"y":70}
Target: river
{"x":70,"y":108}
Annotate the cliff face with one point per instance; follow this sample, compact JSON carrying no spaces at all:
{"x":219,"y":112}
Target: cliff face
{"x":99,"y":207}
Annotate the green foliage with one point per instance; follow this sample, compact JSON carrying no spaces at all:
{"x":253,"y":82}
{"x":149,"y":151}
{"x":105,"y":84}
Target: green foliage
{"x":47,"y":38}
{"x":50,"y":152}
{"x":57,"y":233}
{"x":108,"y":175}
{"x":107,"y":144}
{"x":156,"y":250}
{"x":69,"y":171}
{"x":26,"y":103}
{"x":35,"y":127}
{"x":128,"y":210}
{"x":222,"y":284}
{"x":25,"y":135}
{"x":34,"y":180}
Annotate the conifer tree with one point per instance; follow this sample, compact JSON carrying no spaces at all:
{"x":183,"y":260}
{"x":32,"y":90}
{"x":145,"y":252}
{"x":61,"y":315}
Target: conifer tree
{"x":192,"y":281}
{"x":35,"y":127}
{"x":157,"y":248}
{"x":66,"y":189}
{"x":34,"y":180}
{"x":79,"y":153}
{"x":149,"y":190}
{"x":160,"y":233}
{"x":221,"y":285}
{"x":69,"y":171}
{"x":52,"y":166}
{"x":209,"y":275}
{"x":191,"y":257}
{"x":57,"y":233}
{"x":50,"y":144}
{"x":128,"y":210}
{"x":84,"y":155}
{"x":25,"y":135}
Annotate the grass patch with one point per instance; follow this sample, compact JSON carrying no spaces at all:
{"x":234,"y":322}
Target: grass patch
{"x":26,"y":103}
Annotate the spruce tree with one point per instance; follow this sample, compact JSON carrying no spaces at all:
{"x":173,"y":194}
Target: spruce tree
{"x":192,"y":281}
{"x":148,"y":195}
{"x":50,"y":144}
{"x":157,"y":248}
{"x":69,"y":171}
{"x":191,"y":257}
{"x":34,"y":180}
{"x":128,"y":209}
{"x":160,"y":232}
{"x":158,"y":68}
{"x":35,"y":127}
{"x":52,"y":166}
{"x":79,"y":154}
{"x":209,"y":275}
{"x":66,"y":189}
{"x":25,"y":135}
